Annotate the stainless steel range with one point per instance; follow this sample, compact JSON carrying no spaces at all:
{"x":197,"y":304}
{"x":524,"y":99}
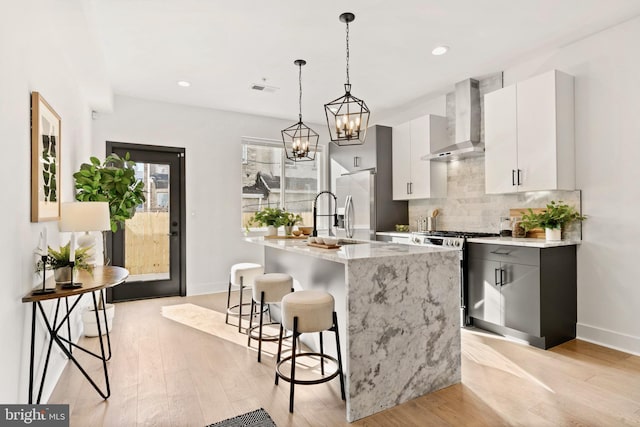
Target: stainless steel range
{"x":454,"y":240}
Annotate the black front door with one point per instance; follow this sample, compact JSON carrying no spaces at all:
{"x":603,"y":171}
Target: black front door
{"x":152,"y":244}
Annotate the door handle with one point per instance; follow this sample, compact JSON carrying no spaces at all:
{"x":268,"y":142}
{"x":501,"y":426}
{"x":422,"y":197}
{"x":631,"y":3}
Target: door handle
{"x":348,"y":216}
{"x":513,"y":177}
{"x":519,"y":181}
{"x":495,"y":276}
{"x":503,"y":273}
{"x":173,"y":233}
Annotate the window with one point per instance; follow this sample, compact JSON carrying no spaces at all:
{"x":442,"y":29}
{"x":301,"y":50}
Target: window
{"x":270,"y":179}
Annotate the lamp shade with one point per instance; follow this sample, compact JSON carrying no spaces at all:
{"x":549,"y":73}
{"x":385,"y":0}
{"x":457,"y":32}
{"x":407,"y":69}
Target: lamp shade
{"x":84,"y":216}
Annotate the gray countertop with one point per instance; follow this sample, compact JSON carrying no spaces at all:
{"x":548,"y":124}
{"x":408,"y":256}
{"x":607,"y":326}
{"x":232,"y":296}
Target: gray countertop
{"x":526,"y":242}
{"x":348,"y":252}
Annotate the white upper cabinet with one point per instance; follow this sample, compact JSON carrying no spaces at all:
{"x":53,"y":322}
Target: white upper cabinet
{"x":529,"y":138}
{"x":414,"y":178}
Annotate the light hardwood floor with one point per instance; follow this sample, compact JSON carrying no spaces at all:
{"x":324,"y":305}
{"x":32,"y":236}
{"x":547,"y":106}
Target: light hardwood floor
{"x":164,"y":373}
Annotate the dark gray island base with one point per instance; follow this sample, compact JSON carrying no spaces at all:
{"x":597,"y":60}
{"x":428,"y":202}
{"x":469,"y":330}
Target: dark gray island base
{"x":524,"y":292}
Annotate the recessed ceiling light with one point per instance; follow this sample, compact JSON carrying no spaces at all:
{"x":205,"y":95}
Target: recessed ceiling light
{"x":440,"y":50}
{"x":184,"y":83}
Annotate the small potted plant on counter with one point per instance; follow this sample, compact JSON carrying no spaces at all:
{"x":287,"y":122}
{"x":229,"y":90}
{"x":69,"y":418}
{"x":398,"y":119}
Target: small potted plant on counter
{"x":290,"y":219}
{"x":553,"y":219}
{"x":272,"y":218}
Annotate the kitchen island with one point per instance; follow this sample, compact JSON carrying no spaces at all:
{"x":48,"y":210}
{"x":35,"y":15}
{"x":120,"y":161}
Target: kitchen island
{"x":398,"y":310}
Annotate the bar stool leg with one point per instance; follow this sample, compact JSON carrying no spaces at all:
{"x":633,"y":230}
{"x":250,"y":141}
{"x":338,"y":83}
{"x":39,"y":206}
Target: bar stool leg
{"x":321,"y":352}
{"x":279,"y":352}
{"x":240,"y":306}
{"x":260,"y":329}
{"x":226,"y":318}
{"x":253,"y":304}
{"x":335,"y":329}
{"x":293,"y":363}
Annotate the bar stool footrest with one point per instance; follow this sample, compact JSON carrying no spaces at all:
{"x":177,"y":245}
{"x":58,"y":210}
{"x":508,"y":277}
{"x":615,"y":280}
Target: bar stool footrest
{"x":233,"y":310}
{"x":266,"y":337}
{"x":308,"y":354}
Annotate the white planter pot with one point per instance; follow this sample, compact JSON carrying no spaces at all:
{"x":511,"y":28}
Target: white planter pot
{"x":553,"y":233}
{"x":271,"y":230}
{"x":62,"y":275}
{"x":89,"y":320}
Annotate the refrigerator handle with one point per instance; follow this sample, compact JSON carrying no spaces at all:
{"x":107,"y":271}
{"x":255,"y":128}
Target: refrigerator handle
{"x":348,"y":217}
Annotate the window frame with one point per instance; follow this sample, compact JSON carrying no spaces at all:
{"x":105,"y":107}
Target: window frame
{"x":321,"y":162}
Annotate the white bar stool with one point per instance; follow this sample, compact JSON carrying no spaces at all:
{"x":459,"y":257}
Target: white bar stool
{"x":242,"y":275}
{"x":303,"y":312}
{"x":268,"y":289}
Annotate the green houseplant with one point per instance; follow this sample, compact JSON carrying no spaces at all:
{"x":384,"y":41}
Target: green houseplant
{"x":553,"y":219}
{"x":290,"y":219}
{"x":58,"y":261}
{"x":272,"y":218}
{"x":113,"y":181}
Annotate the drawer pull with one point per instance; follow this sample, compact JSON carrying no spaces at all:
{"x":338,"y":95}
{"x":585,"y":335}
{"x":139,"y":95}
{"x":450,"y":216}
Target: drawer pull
{"x":499,"y":252}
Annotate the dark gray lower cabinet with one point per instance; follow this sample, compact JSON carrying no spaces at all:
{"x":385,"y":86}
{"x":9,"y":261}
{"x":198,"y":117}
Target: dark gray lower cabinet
{"x":525,"y":293}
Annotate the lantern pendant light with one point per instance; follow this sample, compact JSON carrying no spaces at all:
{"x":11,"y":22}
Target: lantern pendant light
{"x":300,"y":141}
{"x":347,"y":116}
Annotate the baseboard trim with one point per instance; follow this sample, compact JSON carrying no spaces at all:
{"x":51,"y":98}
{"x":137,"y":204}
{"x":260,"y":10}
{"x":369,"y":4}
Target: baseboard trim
{"x":607,"y":338}
{"x":206,"y":288}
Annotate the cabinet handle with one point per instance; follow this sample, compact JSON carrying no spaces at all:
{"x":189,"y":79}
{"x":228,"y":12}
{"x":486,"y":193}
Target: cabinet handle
{"x":495,"y":276}
{"x":519,"y":181}
{"x":503,"y":273}
{"x":500,"y":252}
{"x":356,"y":162}
{"x":411,"y":188}
{"x":513,"y":177}
{"x":407,"y":188}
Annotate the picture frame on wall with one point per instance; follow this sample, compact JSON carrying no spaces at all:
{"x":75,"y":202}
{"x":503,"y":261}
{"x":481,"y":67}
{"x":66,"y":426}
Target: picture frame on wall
{"x":45,"y":160}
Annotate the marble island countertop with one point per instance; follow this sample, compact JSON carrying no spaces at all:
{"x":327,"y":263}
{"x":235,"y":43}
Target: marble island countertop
{"x":398,"y":308}
{"x":351,"y":251}
{"x":526,"y":242}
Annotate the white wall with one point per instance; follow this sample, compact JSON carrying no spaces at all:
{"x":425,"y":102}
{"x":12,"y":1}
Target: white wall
{"x":35,"y":58}
{"x":211,"y":139}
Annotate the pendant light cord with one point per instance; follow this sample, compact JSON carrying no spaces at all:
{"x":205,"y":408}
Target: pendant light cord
{"x":347,"y":52}
{"x":300,"y":97}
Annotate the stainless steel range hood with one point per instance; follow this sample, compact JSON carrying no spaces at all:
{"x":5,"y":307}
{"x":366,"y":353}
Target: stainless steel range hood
{"x":467,"y":121}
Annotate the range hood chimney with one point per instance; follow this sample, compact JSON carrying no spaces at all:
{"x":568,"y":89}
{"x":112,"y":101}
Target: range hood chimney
{"x":467,"y":122}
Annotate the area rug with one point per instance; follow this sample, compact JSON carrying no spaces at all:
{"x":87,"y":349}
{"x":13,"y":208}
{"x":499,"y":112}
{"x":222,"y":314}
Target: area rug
{"x":212,"y":322}
{"x":257,"y":418}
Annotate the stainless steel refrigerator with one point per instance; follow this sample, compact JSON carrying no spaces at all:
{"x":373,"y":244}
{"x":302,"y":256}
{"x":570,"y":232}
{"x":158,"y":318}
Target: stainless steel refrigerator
{"x":364,"y":189}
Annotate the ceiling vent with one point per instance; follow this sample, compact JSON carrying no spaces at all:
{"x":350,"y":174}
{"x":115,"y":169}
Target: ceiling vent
{"x":261,"y":87}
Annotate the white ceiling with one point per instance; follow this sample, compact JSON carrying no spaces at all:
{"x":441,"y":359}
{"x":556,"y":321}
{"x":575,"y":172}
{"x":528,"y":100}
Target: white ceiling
{"x":224,"y":47}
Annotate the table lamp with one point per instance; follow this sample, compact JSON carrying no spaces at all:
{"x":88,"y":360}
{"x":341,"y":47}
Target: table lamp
{"x":82,"y":216}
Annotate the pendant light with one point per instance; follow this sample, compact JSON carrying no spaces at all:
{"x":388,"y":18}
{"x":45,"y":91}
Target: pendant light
{"x":300,"y":141}
{"x":347,"y":116}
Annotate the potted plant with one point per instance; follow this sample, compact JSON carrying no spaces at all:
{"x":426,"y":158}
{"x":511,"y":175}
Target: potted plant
{"x":290,"y":219}
{"x":113,"y":181}
{"x":272,"y":218}
{"x":556,"y":216}
{"x":58,"y":261}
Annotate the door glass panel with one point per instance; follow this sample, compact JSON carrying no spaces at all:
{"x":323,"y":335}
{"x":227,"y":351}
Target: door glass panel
{"x":146,"y":236}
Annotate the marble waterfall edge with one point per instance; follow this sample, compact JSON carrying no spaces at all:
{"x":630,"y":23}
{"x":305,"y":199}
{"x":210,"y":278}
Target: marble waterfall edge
{"x":403,"y":329}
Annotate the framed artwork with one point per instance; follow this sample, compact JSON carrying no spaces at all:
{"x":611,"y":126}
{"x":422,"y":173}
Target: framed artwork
{"x":45,"y":160}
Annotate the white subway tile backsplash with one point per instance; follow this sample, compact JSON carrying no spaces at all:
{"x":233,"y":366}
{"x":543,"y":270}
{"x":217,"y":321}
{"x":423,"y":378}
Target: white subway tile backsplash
{"x":468,"y":208}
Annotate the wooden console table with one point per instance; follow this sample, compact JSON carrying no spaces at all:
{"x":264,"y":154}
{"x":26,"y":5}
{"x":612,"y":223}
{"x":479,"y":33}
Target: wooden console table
{"x":99,"y":280}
